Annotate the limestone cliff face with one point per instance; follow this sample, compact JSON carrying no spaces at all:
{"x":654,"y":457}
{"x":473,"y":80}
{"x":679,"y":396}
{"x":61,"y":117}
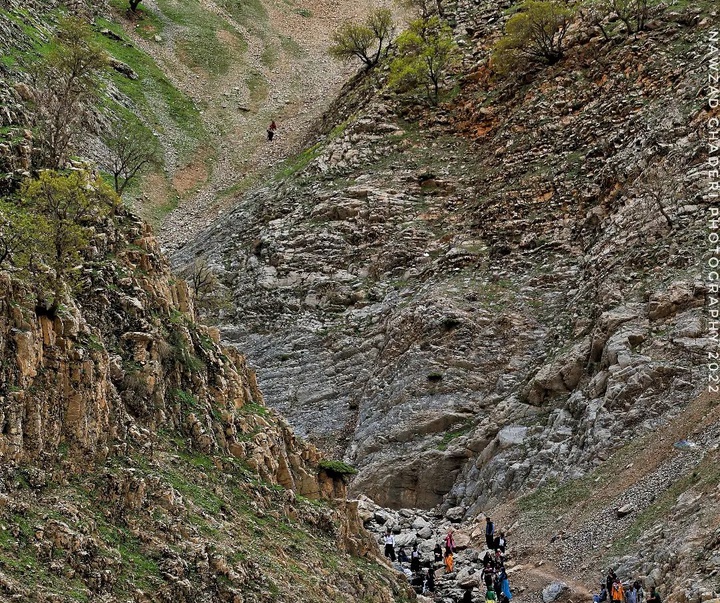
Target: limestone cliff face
{"x":474,"y":301}
{"x":127,"y":356}
{"x":143,"y":454}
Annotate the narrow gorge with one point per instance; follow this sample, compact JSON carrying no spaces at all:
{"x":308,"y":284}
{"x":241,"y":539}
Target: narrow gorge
{"x":402,"y":315}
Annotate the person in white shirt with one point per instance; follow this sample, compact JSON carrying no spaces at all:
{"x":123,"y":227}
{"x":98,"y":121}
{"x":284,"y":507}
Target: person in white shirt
{"x":390,"y":545}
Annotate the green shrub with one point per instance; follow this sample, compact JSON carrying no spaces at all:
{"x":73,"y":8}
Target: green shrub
{"x":66,"y":82}
{"x":535,"y":33}
{"x":366,"y":41}
{"x":63,"y":208}
{"x":426,"y":50}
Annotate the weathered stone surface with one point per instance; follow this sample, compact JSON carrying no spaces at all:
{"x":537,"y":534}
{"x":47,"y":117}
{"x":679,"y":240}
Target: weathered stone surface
{"x":552,"y":592}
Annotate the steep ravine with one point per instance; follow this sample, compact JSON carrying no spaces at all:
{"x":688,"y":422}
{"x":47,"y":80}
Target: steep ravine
{"x":431,"y":289}
{"x":481,"y":301}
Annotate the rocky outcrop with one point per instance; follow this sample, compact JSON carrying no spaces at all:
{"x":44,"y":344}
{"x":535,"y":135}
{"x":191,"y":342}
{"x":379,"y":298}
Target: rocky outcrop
{"x":144,"y":457}
{"x":127,"y":357}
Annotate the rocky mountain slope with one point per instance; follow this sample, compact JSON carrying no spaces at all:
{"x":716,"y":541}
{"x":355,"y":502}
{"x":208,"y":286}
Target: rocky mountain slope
{"x":500,"y":296}
{"x":140,"y":462}
{"x":491,"y":306}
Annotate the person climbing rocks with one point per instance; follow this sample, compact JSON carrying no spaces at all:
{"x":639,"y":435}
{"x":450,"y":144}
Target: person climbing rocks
{"x":402,"y":555}
{"x":654,"y":596}
{"x":415,"y":559}
{"x":499,"y":559}
{"x":490,"y":596}
{"x":631,"y":594}
{"x":449,"y":561}
{"x":609,"y":579}
{"x":617,"y":592}
{"x":437,"y":552}
{"x":430,"y":580}
{"x":640,"y":591}
{"x":271,"y":130}
{"x":499,"y":542}
{"x":450,"y":541}
{"x":504,"y":585}
{"x":488,"y":560}
{"x":389,"y":545}
{"x":488,"y":575}
{"x":467,"y":596}
{"x":489,"y":533}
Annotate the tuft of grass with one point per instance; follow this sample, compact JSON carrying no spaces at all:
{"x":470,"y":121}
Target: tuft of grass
{"x":251,"y":14}
{"x":258,"y":86}
{"x":449,"y":436}
{"x":157,"y":99}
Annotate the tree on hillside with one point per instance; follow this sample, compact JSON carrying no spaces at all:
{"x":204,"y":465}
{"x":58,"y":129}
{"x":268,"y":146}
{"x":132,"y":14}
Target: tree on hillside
{"x":367,"y":41}
{"x":18,"y":233}
{"x":426,"y":50}
{"x":131,"y":148}
{"x":210,"y":295}
{"x":66,"y":82}
{"x":633,"y":14}
{"x":536,"y":33}
{"x":424,"y":8}
{"x":66,"y":204}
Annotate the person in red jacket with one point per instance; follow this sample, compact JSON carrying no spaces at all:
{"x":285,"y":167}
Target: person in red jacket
{"x":271,"y":130}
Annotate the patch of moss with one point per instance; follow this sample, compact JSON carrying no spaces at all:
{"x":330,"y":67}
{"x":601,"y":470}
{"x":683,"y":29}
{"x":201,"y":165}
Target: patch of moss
{"x":337,"y":468}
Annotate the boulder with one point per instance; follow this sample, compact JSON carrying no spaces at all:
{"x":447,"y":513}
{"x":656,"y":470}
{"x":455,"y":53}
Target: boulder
{"x":381,"y":516}
{"x":468,"y":577}
{"x":553,"y":591}
{"x":419,"y":523}
{"x":462,"y":541}
{"x":406,"y":539}
{"x":625,"y":510}
{"x":455,"y":514}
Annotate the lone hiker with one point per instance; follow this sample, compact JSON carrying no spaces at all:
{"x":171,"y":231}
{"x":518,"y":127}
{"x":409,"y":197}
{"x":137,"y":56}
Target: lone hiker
{"x":271,"y":130}
{"x":489,"y":533}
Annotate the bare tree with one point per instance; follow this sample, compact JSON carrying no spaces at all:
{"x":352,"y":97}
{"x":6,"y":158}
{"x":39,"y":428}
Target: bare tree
{"x":131,"y":148}
{"x":210,"y":295}
{"x":367,"y":41}
{"x":66,"y":83}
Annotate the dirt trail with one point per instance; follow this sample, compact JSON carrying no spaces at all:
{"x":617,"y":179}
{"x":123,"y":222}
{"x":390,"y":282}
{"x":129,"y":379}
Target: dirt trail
{"x":284,"y":73}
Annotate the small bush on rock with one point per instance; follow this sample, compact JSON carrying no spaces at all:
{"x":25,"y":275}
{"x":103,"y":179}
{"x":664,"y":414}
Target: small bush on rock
{"x":535,"y":33}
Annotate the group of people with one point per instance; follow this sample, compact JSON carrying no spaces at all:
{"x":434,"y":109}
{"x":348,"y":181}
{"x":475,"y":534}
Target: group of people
{"x":612,"y":590}
{"x":493,"y":573}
